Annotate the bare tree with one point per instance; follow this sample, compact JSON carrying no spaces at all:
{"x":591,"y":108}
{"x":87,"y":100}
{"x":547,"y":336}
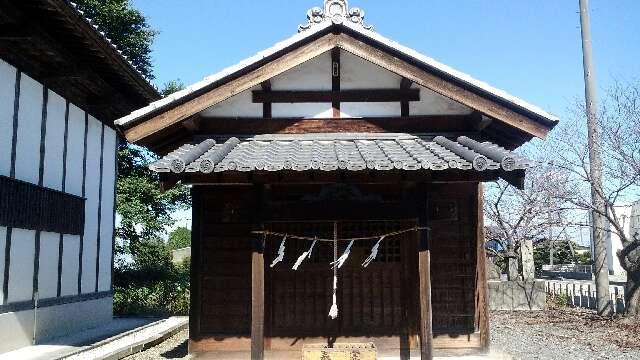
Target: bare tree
{"x":619,"y":124}
{"x":517,"y":215}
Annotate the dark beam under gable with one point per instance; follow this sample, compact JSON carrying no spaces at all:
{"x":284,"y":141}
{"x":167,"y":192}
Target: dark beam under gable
{"x":369,"y":95}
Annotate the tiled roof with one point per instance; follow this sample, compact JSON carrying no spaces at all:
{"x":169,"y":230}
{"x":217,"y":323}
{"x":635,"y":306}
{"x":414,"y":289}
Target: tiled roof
{"x":339,"y":151}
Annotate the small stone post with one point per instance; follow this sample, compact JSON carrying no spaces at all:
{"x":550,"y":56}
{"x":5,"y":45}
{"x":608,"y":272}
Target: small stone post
{"x":528,"y":267}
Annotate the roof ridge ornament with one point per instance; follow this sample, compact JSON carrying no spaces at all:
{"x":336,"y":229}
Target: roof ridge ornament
{"x":336,"y":11}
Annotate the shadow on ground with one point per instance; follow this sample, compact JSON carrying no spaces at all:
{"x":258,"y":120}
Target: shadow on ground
{"x":177,"y":352}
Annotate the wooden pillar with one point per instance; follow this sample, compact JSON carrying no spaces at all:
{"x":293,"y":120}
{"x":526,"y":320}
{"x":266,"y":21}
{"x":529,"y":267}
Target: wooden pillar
{"x":425,"y":328}
{"x":196,"y":265}
{"x":257,"y":286}
{"x":482,"y":309}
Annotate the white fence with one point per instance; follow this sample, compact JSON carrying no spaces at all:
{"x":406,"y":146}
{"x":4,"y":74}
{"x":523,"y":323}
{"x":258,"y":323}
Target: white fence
{"x":583,"y":294}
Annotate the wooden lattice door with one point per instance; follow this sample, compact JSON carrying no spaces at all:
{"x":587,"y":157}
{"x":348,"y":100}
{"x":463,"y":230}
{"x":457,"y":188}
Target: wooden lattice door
{"x":372,"y":301}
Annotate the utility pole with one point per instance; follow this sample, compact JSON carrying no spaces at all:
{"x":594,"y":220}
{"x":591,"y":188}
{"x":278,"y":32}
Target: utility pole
{"x":601,"y":270}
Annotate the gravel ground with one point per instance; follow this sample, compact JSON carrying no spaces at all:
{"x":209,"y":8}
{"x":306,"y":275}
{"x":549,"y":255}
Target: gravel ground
{"x":564,"y":334}
{"x":174,"y":347}
{"x":553,"y":334}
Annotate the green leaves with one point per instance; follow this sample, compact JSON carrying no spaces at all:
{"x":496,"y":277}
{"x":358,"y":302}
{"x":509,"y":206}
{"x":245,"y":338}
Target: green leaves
{"x":144,"y":210}
{"x":126,"y":27}
{"x":179,"y":238}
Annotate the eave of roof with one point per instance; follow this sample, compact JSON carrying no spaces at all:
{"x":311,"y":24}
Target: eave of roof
{"x":92,"y":33}
{"x":298,"y":39}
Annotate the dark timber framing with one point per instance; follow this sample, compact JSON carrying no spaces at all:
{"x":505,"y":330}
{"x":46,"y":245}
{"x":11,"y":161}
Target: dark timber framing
{"x":99,"y":205}
{"x":64,"y":185}
{"x":43,"y":134}
{"x":335,"y":97}
{"x":335,"y":81}
{"x":12,"y":174}
{"x":84,"y":190}
{"x":266,"y":106}
{"x":404,"y":104}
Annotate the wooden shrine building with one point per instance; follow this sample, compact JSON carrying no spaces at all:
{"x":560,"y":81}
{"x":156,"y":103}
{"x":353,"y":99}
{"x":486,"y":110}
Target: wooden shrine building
{"x":338,"y":133}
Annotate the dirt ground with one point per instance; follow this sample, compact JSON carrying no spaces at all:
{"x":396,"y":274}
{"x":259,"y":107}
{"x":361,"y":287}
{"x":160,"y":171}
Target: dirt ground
{"x":564,"y":333}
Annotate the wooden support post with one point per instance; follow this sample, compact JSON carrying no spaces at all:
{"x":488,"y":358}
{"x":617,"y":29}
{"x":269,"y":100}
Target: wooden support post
{"x":257,"y":301}
{"x":196,"y":265}
{"x":425,"y":328}
{"x":481,"y":295}
{"x":257,"y":285}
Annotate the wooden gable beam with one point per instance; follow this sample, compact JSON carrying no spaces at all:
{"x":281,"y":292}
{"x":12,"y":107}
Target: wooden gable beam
{"x":441,"y":86}
{"x":368,"y":95}
{"x":231,"y":88}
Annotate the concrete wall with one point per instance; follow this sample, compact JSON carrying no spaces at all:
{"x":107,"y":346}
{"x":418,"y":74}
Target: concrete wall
{"x":17,"y":328}
{"x":517,"y":295}
{"x":47,"y":141}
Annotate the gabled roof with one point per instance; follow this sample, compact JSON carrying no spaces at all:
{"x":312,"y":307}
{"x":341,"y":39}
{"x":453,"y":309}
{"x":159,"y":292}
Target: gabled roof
{"x":361,"y":41}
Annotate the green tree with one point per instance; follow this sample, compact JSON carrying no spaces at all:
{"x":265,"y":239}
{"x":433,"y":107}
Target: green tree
{"x":127,"y":28}
{"x":144,"y":209}
{"x":170,"y":87}
{"x":562,"y":254}
{"x":179,"y":238}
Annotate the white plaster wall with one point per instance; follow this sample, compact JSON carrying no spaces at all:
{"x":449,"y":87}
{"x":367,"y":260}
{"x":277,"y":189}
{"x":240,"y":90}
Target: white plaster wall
{"x":432,"y":103}
{"x":54,"y":142}
{"x":358,"y":73}
{"x":48,"y":268}
{"x":314,"y":74}
{"x":7,"y":90}
{"x":370,"y":109}
{"x":106,"y":227}
{"x":70,"y":266}
{"x":75,"y":151}
{"x":240,"y":105}
{"x":21,"y":266}
{"x":302,"y":110}
{"x":92,"y":186}
{"x":29,"y":129}
{"x":3,"y":239}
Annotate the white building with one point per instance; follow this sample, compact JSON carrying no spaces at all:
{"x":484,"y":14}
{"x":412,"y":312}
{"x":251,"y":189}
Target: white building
{"x":62,"y":84}
{"x":629,"y":217}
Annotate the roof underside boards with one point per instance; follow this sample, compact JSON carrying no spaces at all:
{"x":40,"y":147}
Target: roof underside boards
{"x":371,"y":46}
{"x":54,"y":43}
{"x":339,"y":151}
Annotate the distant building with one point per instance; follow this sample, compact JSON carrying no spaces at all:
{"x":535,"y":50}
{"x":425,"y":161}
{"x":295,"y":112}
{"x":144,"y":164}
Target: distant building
{"x":629,"y":218}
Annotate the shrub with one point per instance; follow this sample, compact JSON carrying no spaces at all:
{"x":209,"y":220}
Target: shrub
{"x":151,"y":284}
{"x":558,"y":300}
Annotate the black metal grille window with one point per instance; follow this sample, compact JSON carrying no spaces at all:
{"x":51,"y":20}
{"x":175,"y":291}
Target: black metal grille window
{"x":27,"y":206}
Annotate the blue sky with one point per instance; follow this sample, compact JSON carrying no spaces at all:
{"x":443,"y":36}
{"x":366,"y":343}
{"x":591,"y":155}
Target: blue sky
{"x":531,"y":49}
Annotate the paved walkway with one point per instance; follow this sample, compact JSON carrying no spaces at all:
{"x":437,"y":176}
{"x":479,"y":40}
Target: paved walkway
{"x":108,"y":339}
